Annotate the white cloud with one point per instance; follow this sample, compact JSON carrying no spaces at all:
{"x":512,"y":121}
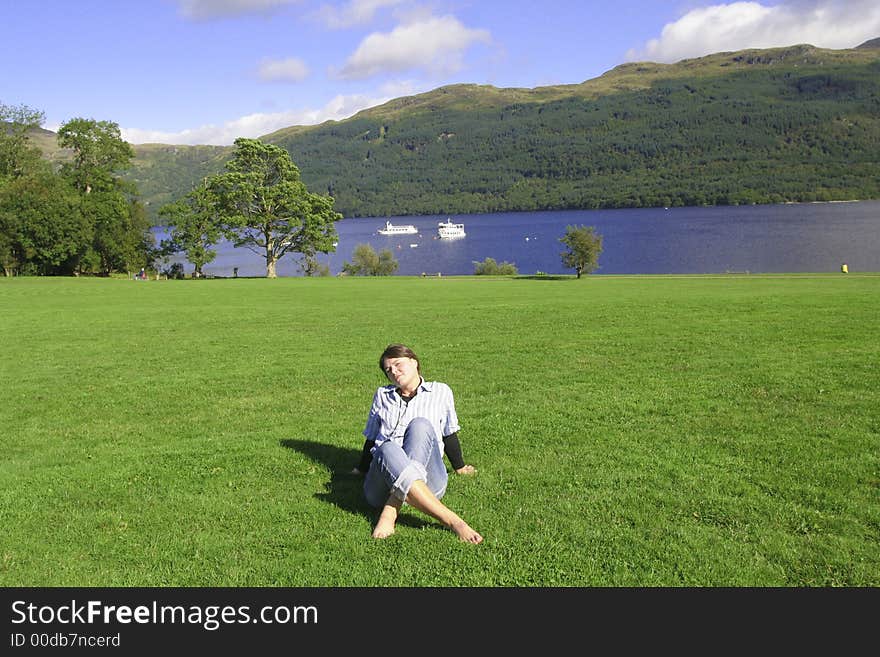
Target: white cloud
{"x":739,"y":25}
{"x":433,"y":44}
{"x":355,"y":12}
{"x":209,"y":9}
{"x":283,"y":70}
{"x":256,"y":125}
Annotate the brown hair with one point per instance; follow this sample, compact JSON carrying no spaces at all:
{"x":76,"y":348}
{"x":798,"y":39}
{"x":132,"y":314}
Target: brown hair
{"x":398,"y":351}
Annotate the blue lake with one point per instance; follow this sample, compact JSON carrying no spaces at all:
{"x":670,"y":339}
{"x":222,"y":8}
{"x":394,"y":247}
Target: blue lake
{"x":806,"y":237}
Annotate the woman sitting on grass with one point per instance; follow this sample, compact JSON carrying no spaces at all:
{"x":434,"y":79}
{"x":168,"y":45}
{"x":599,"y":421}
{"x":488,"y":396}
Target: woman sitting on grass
{"x":411,"y":423}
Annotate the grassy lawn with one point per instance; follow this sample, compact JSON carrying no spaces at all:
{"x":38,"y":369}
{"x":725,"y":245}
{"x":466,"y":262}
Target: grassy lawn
{"x":628,"y":431}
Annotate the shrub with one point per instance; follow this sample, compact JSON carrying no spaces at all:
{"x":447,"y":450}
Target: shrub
{"x":366,"y":262}
{"x":491,"y":268}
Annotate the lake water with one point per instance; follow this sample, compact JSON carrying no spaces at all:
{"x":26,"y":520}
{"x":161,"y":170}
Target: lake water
{"x":806,"y":237}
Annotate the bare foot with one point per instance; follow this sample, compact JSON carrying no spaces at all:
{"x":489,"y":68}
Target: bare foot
{"x":466,"y":470}
{"x":465,"y":533}
{"x":383,"y":529}
{"x":387,"y":519}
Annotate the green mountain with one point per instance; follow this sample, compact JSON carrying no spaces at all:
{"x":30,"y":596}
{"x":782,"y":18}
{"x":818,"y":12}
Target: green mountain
{"x":164,"y":173}
{"x":754,"y":126}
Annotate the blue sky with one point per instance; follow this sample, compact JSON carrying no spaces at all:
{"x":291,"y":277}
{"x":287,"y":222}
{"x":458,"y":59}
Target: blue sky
{"x":208,"y":71}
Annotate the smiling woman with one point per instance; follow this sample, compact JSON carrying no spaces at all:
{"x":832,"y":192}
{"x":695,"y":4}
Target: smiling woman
{"x":410,"y":424}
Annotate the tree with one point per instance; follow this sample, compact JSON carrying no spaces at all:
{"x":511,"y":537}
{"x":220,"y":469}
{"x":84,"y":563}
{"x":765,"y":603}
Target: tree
{"x":42,"y":230}
{"x":194,"y":227}
{"x":121,"y":233}
{"x":121,"y":237}
{"x":98,"y":152}
{"x":584,"y":247}
{"x":366,"y":262}
{"x":266,"y":208}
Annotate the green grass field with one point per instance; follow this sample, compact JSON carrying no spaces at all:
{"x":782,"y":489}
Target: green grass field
{"x":628,"y":431}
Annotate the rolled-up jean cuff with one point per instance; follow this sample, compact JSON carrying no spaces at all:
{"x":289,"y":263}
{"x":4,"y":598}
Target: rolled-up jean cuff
{"x":412,"y":472}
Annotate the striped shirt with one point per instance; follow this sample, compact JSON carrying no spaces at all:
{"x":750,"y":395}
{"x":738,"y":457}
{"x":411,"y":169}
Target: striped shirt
{"x":390,"y":414}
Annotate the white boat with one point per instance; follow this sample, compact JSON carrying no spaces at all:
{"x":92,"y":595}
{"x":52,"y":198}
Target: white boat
{"x":391,"y":229}
{"x":448,"y":230}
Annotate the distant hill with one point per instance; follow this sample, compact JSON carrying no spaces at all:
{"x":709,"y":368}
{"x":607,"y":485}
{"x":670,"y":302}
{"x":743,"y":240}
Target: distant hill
{"x":754,"y":126}
{"x":163,"y":173}
{"x":47,"y":142}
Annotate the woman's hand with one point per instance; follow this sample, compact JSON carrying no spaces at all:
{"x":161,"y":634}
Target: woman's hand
{"x":466,"y":470}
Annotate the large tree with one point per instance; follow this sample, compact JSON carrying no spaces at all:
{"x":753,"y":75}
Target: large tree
{"x":42,"y":230}
{"x":266,"y":207}
{"x":584,"y":247}
{"x":99,"y":153}
{"x":121,"y":233}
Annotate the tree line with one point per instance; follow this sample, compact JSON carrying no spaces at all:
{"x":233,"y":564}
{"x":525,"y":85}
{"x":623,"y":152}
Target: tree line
{"x":83,"y":217}
{"x":80,"y":217}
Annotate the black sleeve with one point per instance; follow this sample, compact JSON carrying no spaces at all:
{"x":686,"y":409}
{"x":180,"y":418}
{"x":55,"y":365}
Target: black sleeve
{"x":452,"y":447}
{"x":366,"y":456}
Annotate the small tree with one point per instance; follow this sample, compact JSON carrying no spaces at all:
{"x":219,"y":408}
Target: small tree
{"x":491,"y":268}
{"x":366,"y":262}
{"x":584,"y":247}
{"x":122,"y":240}
{"x":194,"y":227}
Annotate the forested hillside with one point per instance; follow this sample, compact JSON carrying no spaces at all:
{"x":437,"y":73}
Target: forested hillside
{"x":164,"y":173}
{"x":756,"y":126}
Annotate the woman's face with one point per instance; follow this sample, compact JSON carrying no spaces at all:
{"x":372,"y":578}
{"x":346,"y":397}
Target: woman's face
{"x":402,"y":372}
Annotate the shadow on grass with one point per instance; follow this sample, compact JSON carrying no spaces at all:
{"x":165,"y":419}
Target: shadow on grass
{"x":344,"y":490}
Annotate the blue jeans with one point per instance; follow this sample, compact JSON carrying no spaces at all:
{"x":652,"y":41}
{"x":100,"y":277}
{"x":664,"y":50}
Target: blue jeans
{"x":394,"y":467}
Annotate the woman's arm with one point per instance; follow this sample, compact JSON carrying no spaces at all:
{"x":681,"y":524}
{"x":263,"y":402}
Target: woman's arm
{"x":366,"y":458}
{"x":452,"y":448}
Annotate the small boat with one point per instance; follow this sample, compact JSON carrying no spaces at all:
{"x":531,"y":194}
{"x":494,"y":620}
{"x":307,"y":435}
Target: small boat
{"x":391,"y":229}
{"x":448,"y":230}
